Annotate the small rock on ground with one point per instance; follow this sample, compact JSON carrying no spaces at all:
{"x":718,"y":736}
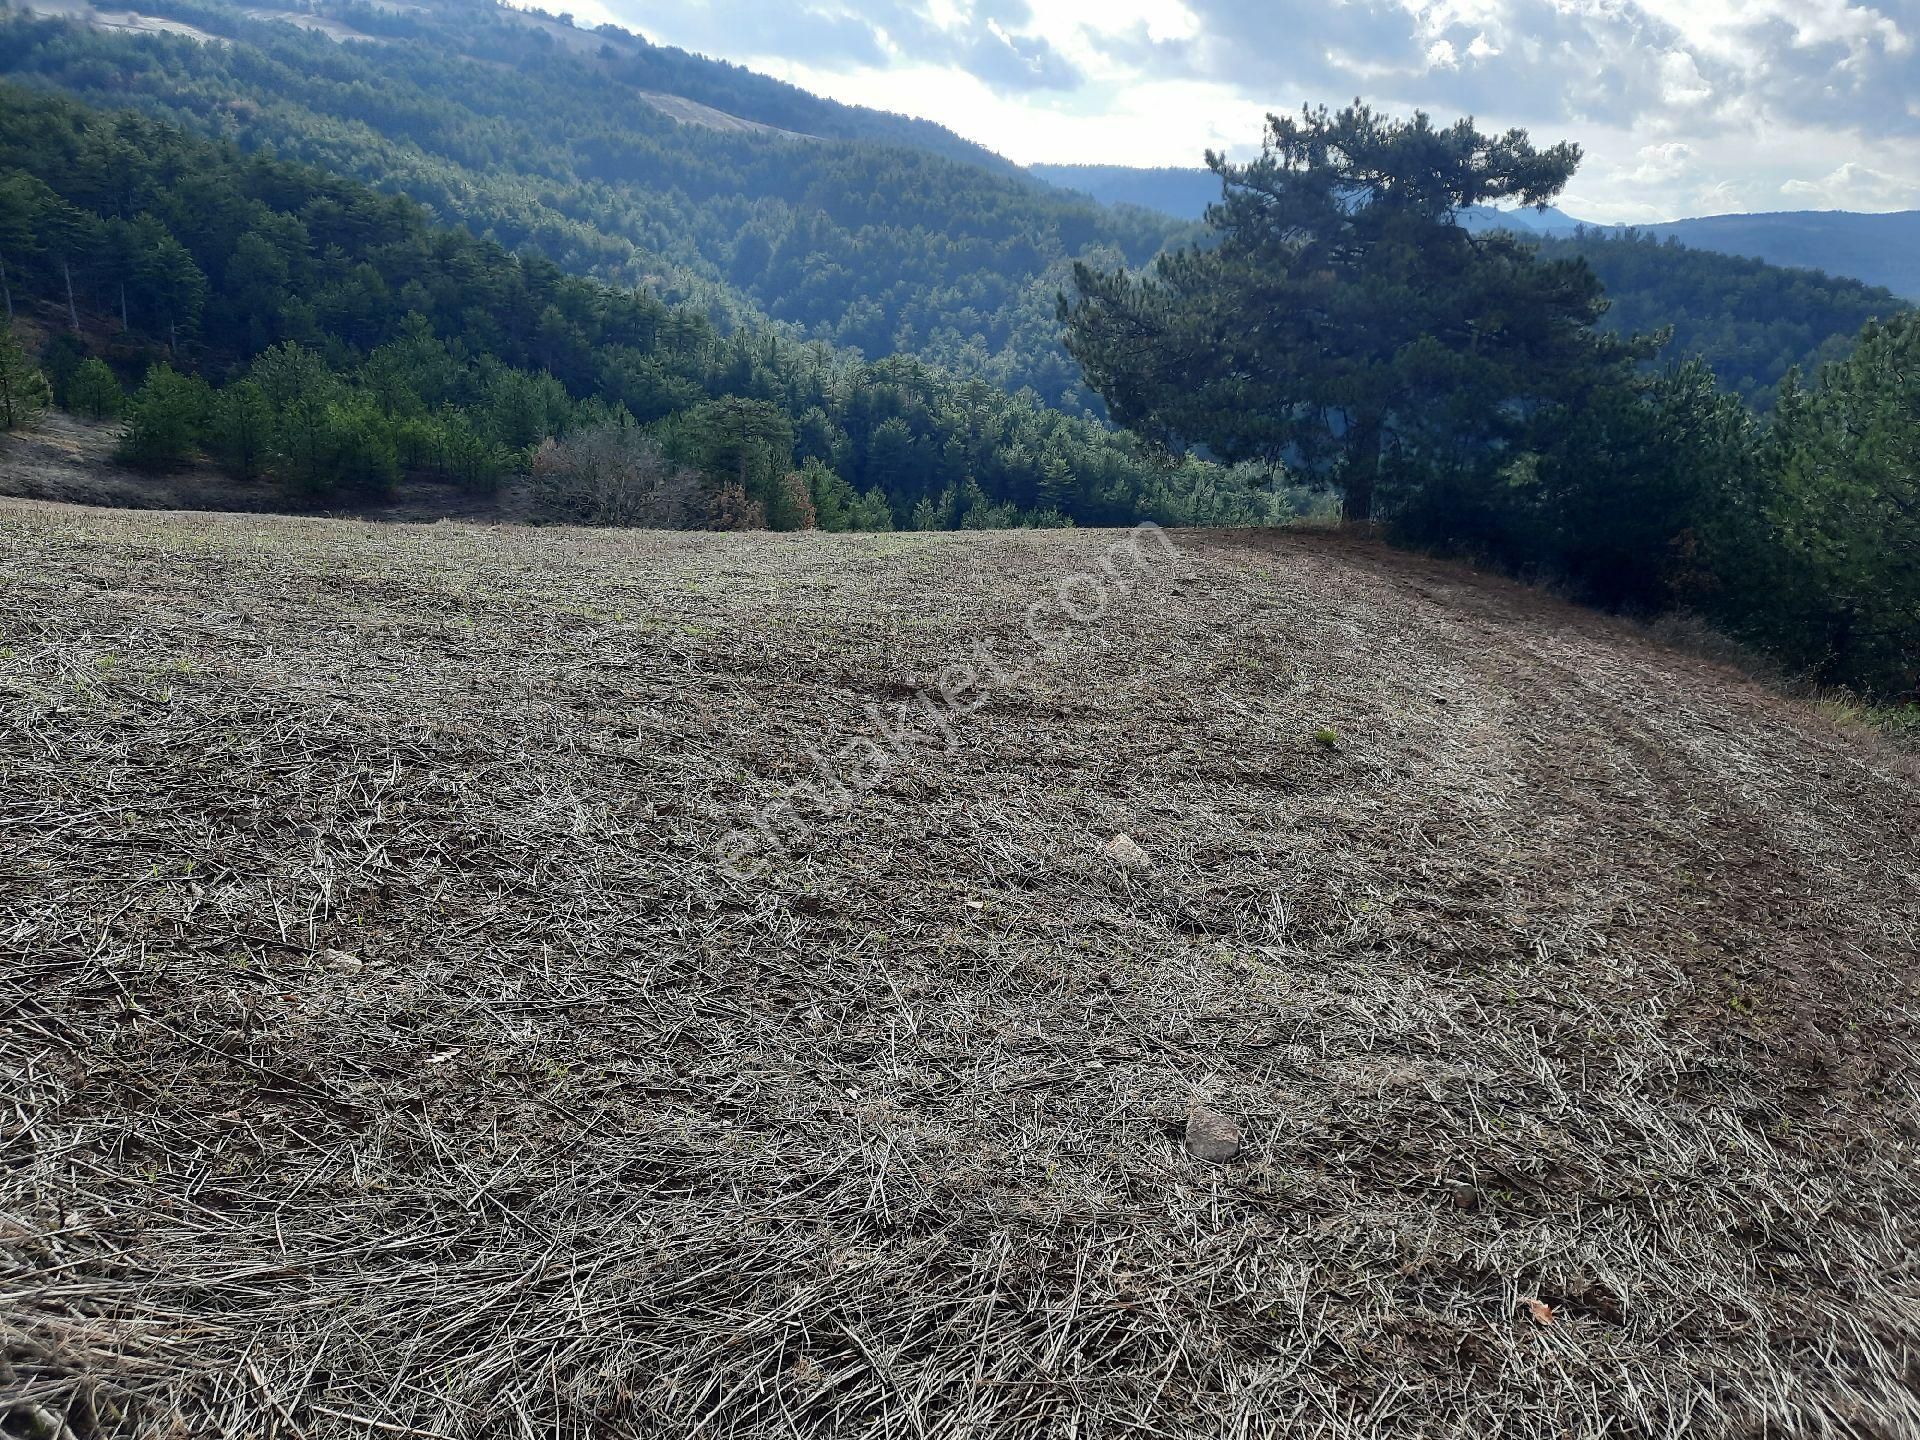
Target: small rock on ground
{"x":1211,"y":1135}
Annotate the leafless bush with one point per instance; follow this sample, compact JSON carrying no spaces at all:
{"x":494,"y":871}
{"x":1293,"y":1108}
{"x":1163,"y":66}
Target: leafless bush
{"x":615,"y":475}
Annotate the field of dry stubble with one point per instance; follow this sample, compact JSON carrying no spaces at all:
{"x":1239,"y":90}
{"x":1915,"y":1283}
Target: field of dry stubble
{"x":394,"y":1044}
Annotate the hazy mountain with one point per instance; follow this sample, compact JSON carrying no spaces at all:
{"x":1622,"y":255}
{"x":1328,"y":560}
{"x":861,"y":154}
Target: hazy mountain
{"x":1880,"y":249}
{"x":1550,"y":221}
{"x":1184,"y":193}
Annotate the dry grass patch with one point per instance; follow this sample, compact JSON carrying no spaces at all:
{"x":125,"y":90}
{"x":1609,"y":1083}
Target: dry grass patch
{"x":388,"y":1050}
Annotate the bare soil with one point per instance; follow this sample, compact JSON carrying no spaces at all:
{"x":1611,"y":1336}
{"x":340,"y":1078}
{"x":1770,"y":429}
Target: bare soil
{"x":393,"y":1045}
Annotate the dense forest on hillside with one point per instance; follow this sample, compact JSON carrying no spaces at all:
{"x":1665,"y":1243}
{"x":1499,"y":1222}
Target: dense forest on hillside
{"x":1750,"y":321}
{"x":300,"y":324}
{"x":496,"y":125}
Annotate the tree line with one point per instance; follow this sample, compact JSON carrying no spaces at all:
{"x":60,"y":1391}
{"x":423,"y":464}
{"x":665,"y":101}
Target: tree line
{"x":300,"y":326}
{"x":1459,"y":387}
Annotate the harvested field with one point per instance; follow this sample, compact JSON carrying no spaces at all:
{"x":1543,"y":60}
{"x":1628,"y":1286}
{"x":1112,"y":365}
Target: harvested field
{"x":394,"y":1043}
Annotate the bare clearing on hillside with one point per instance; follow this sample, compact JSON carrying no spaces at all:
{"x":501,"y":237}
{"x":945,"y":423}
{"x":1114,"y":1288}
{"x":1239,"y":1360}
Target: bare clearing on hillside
{"x":68,"y":459}
{"x":394,"y":1046}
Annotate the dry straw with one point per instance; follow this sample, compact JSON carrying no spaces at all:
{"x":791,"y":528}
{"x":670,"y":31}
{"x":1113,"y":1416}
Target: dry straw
{"x":386,"y":1053}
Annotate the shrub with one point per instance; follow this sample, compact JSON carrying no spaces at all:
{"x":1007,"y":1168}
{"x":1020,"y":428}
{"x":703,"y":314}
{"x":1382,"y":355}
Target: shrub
{"x":729,"y":507}
{"x":613,"y":474}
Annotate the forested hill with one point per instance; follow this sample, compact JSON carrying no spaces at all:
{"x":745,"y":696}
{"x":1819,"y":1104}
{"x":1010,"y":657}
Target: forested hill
{"x":1879,"y":249}
{"x":664,"y":71}
{"x":873,"y":232}
{"x":1750,"y":321}
{"x":301,"y":328}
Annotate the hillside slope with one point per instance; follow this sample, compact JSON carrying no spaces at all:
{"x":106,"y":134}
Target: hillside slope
{"x":876,"y":233}
{"x":396,"y":1042}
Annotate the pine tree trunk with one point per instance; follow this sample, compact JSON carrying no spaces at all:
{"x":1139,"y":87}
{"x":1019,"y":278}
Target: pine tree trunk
{"x":73,"y":311}
{"x":6,"y":286}
{"x":1363,"y":469}
{"x":123,"y":310}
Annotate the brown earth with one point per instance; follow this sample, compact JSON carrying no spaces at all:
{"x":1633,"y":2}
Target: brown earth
{"x":394,"y":1045}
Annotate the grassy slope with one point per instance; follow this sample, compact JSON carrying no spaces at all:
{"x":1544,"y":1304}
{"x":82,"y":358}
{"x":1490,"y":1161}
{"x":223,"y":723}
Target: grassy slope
{"x":1579,"y":972}
{"x":66,"y":458}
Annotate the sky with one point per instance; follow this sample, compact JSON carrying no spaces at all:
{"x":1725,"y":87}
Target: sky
{"x":1683,"y":107}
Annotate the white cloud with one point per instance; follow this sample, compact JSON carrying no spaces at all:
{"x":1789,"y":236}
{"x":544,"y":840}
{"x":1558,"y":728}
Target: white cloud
{"x":1661,"y":163}
{"x":1851,"y":186}
{"x":1681,"y":82}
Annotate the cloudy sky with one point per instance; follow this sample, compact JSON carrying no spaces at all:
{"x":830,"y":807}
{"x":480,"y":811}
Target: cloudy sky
{"x":1685,"y":107}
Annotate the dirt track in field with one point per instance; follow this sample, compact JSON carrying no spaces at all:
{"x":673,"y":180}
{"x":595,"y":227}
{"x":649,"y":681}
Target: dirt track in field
{"x":392,"y":1036}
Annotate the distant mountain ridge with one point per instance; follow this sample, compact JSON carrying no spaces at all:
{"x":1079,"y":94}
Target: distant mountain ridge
{"x":1879,"y":249}
{"x":1186,"y":192}
{"x":1181,"y":192}
{"x":1875,"y":249}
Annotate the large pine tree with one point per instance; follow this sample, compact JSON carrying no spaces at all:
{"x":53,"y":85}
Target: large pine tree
{"x":1341,"y":320}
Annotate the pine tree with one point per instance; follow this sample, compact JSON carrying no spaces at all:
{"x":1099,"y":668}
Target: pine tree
{"x":790,"y":506}
{"x":834,"y":501}
{"x":747,"y":444}
{"x":242,"y":429}
{"x":94,"y":391}
{"x":165,"y":419}
{"x":1343,"y":318}
{"x":19,"y":203}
